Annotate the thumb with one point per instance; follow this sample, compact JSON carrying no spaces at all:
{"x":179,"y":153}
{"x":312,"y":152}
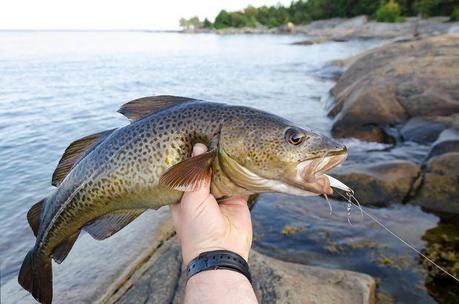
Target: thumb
{"x":193,"y":198}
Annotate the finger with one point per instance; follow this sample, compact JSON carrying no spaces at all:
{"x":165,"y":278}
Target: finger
{"x":199,"y":149}
{"x":175,"y":211}
{"x":235,"y":200}
{"x":192,"y":199}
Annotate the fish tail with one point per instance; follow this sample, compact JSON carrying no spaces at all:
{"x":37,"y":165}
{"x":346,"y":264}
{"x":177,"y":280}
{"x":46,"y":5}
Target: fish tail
{"x":36,"y":276}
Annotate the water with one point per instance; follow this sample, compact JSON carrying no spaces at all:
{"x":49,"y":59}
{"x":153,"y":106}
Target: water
{"x":59,"y":86}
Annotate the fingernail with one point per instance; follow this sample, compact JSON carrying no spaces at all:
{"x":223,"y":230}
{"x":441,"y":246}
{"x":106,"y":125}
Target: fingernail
{"x":199,"y":149}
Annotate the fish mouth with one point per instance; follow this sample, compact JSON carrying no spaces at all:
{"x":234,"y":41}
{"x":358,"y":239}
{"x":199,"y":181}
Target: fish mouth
{"x":307,"y":178}
{"x":310,"y":174}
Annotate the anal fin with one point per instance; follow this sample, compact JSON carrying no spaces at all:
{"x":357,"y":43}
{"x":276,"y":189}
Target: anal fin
{"x":34,"y":215}
{"x":60,"y":252}
{"x":109,"y":224}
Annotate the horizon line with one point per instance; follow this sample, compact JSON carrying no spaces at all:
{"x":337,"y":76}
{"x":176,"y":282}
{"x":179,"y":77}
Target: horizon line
{"x":90,"y":30}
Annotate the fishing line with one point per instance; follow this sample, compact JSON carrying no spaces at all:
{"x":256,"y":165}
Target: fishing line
{"x":394,"y":234}
{"x":329,"y":204}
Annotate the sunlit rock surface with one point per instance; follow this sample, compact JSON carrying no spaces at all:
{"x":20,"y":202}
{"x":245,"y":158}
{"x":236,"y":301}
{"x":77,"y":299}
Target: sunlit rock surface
{"x":391,"y":84}
{"x":160,"y":280}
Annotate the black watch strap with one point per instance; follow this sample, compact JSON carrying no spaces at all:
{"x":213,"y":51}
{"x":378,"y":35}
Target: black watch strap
{"x":218,"y":259}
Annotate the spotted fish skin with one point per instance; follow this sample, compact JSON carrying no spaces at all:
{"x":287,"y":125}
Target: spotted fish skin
{"x":122,"y":173}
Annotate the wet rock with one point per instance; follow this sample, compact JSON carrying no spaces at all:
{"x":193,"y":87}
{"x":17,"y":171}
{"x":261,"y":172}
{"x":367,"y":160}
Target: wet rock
{"x":439,"y":187}
{"x":448,"y":141}
{"x":422,"y":130}
{"x":274,"y":281}
{"x":379,"y":184}
{"x":399,"y":81}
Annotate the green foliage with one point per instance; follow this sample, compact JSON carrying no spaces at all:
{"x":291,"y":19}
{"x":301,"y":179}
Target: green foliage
{"x":455,"y":14}
{"x":207,"y":24}
{"x":192,"y":23}
{"x":304,"y":11}
{"x":222,"y":20}
{"x":426,"y":7}
{"x":389,"y":12}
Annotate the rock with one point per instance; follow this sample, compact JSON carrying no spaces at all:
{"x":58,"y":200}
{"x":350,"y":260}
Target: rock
{"x":396,"y":82}
{"x":448,"y":141}
{"x":445,"y":164}
{"x":303,"y":42}
{"x":95,"y":268}
{"x":274,"y":281}
{"x":422,"y":130}
{"x":380,"y":184}
{"x":439,"y":190}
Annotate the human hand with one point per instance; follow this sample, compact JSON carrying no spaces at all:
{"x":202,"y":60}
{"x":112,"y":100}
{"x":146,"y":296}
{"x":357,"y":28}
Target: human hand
{"x":204,"y":225}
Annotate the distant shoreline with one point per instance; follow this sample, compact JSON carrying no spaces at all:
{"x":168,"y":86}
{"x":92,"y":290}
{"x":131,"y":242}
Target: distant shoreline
{"x":90,"y":30}
{"x":345,"y":29}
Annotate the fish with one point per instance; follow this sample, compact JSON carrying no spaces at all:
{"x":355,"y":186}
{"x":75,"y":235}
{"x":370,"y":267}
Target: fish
{"x":106,"y":180}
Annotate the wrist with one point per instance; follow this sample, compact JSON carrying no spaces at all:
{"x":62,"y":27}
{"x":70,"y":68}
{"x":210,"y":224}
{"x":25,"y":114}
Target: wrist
{"x":191,"y":252}
{"x":216,"y":260}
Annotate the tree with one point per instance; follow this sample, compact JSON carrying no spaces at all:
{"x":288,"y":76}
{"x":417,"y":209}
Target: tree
{"x":222,"y":20}
{"x":389,"y":12}
{"x":426,"y":8}
{"x":207,"y":23}
{"x":183,"y":23}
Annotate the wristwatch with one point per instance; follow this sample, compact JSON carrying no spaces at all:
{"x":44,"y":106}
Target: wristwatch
{"x":218,"y":259}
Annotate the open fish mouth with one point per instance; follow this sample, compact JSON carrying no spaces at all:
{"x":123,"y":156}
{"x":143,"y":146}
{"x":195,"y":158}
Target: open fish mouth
{"x":311,"y":173}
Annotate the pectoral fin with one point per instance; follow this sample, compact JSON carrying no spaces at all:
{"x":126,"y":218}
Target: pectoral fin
{"x":109,"y":224}
{"x":190,"y":174}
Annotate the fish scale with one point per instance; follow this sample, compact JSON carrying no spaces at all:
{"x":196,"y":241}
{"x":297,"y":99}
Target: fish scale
{"x":106,"y":180}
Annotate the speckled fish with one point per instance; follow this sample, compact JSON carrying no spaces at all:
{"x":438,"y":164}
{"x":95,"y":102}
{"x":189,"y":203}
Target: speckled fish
{"x":104,"y":181}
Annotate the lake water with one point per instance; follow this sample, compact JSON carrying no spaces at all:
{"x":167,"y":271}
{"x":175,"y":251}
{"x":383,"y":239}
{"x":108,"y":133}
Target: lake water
{"x":59,"y":86}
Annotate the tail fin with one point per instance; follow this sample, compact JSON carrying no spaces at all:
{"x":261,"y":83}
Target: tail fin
{"x":36,"y":276}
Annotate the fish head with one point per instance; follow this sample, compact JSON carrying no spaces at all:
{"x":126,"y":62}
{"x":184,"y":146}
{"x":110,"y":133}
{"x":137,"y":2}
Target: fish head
{"x":266,"y":153}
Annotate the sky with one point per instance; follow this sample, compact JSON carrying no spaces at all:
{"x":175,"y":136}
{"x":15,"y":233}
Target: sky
{"x":112,"y":14}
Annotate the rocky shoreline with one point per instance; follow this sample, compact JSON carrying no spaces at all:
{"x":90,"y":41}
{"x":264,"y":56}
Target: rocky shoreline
{"x":340,"y":29}
{"x":399,"y":93}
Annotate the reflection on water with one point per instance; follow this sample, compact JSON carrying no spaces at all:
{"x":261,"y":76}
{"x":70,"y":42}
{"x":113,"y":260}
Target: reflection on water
{"x":301,"y":230}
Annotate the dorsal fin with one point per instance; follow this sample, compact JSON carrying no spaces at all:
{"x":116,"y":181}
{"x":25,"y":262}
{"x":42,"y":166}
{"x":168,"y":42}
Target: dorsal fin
{"x":109,"y":224}
{"x":74,"y":152}
{"x":142,"y":107}
{"x":33,"y":216}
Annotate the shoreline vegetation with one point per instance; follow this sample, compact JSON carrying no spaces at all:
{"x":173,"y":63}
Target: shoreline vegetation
{"x":301,"y":14}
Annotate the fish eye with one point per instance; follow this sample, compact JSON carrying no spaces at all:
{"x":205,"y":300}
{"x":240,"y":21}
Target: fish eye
{"x":294,"y":137}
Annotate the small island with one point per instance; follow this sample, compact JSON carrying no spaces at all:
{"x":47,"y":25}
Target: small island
{"x":294,"y":18}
